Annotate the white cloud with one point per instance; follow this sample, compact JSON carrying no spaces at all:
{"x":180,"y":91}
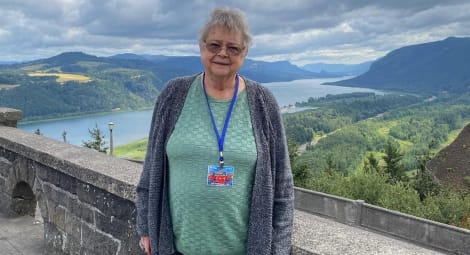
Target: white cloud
{"x":297,"y":30}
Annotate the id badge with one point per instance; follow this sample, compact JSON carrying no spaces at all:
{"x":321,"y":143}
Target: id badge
{"x":220,"y":177}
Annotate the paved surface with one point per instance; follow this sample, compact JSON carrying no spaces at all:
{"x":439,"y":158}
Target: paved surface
{"x":21,"y":236}
{"x":327,"y":237}
{"x":24,"y":236}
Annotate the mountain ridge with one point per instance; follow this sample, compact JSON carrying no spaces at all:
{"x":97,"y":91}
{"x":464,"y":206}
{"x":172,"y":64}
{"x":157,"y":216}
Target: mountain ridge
{"x":76,"y":82}
{"x":434,"y":67}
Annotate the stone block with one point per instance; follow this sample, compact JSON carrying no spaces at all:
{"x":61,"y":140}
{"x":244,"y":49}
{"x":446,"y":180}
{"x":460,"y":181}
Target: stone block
{"x":97,"y":242}
{"x":131,"y":246}
{"x":73,"y":246}
{"x":41,"y":171}
{"x":8,"y":155}
{"x":116,"y":227}
{"x":67,"y":183}
{"x":87,"y":193}
{"x":81,"y":210}
{"x":5,"y":201}
{"x":54,"y":237}
{"x":9,"y":116}
{"x":57,"y":216}
{"x":51,"y":205}
{"x":52,"y":176}
{"x":2,"y":184}
{"x":73,"y":226}
{"x":5,"y":164}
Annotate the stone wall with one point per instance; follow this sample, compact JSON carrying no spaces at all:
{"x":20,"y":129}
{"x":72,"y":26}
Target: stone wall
{"x":86,"y":199}
{"x":407,"y":227}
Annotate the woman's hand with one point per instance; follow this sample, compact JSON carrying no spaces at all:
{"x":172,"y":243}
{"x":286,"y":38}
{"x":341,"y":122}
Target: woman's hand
{"x":145,"y":244}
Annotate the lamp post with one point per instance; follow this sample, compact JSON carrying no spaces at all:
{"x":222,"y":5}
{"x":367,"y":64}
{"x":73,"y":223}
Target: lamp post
{"x":111,"y":126}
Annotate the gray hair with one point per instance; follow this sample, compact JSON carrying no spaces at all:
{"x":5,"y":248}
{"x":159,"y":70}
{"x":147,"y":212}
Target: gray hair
{"x":230,"y":19}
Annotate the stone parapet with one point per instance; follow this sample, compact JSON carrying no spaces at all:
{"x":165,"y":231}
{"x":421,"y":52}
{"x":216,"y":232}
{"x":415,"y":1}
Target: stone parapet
{"x":9,"y":117}
{"x":407,"y":227}
{"x":86,"y":199}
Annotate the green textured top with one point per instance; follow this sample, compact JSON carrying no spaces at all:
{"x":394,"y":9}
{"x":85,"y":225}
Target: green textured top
{"x":208,"y":219}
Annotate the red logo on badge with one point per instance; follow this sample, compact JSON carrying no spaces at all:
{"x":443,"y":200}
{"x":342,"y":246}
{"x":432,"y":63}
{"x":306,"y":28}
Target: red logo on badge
{"x":221,"y":177}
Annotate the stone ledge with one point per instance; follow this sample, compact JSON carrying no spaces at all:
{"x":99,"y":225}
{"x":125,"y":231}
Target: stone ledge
{"x":9,"y":117}
{"x":79,"y":162}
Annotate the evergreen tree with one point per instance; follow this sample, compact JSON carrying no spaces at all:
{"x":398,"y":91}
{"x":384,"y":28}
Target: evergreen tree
{"x":302,"y":174}
{"x":97,"y":141}
{"x":393,"y":166}
{"x":371,"y":164}
{"x":424,"y":181}
{"x":292,"y":148}
{"x":331,"y":167}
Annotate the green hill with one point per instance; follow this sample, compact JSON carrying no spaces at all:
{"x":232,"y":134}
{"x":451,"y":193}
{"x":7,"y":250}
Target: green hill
{"x":442,"y":66}
{"x":75,"y":83}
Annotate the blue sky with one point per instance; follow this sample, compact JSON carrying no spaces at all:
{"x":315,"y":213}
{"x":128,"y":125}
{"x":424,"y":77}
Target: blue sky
{"x":300,"y":31}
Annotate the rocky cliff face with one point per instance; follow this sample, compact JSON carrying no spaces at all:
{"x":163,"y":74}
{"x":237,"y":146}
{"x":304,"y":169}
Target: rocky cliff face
{"x":451,"y":165}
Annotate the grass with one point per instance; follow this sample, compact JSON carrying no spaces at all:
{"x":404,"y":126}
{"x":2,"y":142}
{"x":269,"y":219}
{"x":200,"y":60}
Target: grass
{"x":63,"y":77}
{"x":134,"y":150}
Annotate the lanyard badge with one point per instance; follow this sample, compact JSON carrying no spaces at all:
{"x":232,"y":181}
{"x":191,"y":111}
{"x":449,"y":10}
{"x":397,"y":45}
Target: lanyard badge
{"x":221,"y":175}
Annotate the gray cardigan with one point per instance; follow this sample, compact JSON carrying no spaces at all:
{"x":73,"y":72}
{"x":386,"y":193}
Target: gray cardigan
{"x":271,"y":212}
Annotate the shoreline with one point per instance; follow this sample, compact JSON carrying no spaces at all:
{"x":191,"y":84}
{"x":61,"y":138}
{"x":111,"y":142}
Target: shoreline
{"x":78,"y":115}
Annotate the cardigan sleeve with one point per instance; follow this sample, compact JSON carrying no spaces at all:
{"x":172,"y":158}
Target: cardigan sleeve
{"x":142,"y":203}
{"x":152,"y":210}
{"x":283,"y":208}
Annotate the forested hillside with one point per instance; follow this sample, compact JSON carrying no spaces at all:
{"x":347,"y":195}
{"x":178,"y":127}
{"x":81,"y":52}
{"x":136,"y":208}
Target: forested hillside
{"x":77,"y":83}
{"x":376,"y":148}
{"x":424,"y":68}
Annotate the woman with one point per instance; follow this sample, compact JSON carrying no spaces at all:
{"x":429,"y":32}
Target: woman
{"x":216,"y":177}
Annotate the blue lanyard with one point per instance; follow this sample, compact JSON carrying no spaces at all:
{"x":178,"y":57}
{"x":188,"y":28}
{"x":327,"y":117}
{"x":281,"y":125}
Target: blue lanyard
{"x":221,"y":138}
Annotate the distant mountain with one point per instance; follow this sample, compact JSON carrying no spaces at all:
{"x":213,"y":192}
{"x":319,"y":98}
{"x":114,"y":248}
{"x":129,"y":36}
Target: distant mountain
{"x":169,"y":67}
{"x":8,"y":62}
{"x":338,"y":69}
{"x":442,"y":66}
{"x":75,"y":82}
{"x":153,"y":58}
{"x":451,"y":165}
{"x":278,"y":71}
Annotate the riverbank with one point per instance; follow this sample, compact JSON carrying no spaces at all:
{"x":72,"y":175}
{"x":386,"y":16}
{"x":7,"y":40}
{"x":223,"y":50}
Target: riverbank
{"x":40,"y":119}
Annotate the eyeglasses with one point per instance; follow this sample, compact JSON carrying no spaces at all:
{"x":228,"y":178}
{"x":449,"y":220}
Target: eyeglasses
{"x":230,"y":49}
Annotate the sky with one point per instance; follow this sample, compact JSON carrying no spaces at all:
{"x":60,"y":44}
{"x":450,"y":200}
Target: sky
{"x":299,"y":31}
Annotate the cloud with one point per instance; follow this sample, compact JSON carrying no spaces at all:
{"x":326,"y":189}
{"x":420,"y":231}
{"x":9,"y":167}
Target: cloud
{"x":302,"y":31}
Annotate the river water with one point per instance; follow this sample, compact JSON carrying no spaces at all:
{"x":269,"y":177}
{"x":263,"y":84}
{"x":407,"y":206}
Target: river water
{"x":131,"y":126}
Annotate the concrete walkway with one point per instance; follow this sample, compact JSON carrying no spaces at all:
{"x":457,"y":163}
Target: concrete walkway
{"x":324,"y":236}
{"x":316,"y":235}
{"x":21,"y":236}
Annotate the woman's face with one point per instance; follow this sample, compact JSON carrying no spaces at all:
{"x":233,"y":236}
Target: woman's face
{"x":222,"y":53}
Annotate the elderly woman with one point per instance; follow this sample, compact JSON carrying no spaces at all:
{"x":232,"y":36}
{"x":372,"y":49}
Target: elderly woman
{"x":216,"y":177}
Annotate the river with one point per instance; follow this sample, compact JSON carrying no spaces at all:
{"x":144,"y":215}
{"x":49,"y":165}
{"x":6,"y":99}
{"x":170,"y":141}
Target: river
{"x":131,"y":126}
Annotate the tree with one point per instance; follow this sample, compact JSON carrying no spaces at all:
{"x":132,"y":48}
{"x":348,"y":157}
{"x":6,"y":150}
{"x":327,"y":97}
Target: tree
{"x":393,"y":166}
{"x":302,"y":174}
{"x":292,"y":148}
{"x":371,"y":164}
{"x":424,"y":181}
{"x":331,"y":167}
{"x":97,"y":141}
